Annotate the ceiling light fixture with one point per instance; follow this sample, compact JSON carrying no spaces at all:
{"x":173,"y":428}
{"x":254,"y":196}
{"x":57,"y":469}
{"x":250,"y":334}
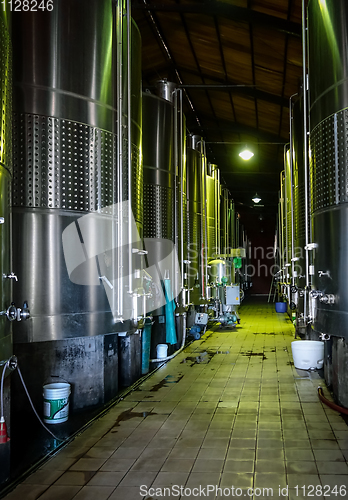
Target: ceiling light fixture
{"x":256,"y":198}
{"x":246,"y":154}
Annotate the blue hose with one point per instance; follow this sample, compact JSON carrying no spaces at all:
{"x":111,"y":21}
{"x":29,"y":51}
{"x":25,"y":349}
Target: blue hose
{"x":169,"y":311}
{"x":145,"y":352}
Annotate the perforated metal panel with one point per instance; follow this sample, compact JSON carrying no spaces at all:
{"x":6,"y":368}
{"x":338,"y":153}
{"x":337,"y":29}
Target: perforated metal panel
{"x":158,"y":212}
{"x":299,"y":218}
{"x":329,"y":156}
{"x":194,"y":231}
{"x":62,"y":164}
{"x":5,"y":97}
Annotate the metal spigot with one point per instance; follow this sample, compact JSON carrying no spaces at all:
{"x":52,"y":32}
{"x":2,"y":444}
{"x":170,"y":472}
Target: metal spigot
{"x":10,"y":276}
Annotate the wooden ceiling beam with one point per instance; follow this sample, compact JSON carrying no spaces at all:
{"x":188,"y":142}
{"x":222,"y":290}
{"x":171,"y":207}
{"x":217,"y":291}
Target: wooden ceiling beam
{"x":234,"y":127}
{"x":228,"y":11}
{"x":228,"y":86}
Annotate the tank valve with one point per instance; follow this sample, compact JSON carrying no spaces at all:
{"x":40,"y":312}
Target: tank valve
{"x":16,"y":313}
{"x":24,"y":313}
{"x":316,"y":294}
{"x":324,"y":336}
{"x":327,"y":299}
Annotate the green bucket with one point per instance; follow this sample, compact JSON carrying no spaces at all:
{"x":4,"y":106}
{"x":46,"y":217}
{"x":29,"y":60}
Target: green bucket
{"x":56,"y":402}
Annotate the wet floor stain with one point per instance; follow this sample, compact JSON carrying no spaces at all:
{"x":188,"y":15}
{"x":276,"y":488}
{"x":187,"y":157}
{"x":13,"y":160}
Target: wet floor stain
{"x":263,"y":333}
{"x":129,"y":414}
{"x":207,"y":337}
{"x":290,"y":363}
{"x":202,"y":357}
{"x":169,"y":379}
{"x":199,"y":358}
{"x":249,"y":354}
{"x":159,"y":386}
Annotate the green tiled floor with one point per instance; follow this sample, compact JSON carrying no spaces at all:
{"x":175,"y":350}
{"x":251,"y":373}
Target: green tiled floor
{"x":230,"y":410}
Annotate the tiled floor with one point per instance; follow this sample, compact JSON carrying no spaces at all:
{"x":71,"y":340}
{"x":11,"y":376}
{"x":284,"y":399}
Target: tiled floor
{"x":229,"y":411}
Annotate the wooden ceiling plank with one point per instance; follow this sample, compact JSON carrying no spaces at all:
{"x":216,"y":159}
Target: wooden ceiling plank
{"x":228,"y":11}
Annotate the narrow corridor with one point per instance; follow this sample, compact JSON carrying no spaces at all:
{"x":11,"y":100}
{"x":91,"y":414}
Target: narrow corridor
{"x":230,"y":410}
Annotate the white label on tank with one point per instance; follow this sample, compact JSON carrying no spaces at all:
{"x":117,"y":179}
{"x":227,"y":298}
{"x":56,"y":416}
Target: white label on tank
{"x":311,"y":270}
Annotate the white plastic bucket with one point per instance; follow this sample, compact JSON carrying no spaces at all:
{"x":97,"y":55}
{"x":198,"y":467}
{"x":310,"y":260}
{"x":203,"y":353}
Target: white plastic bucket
{"x":162,"y":350}
{"x":308,"y":354}
{"x":56,"y":402}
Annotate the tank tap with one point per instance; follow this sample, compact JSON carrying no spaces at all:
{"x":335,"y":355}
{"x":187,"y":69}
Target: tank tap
{"x":10,"y":276}
{"x":322,"y":273}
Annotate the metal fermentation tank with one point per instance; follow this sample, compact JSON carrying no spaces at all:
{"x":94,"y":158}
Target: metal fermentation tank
{"x":161,"y":204}
{"x":5,"y":225}
{"x":328,"y":77}
{"x":65,"y":156}
{"x":196,"y":219}
{"x":299,"y":213}
{"x":213,"y":211}
{"x":287,"y":203}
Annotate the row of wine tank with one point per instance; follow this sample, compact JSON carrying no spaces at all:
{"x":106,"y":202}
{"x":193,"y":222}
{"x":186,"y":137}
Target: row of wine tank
{"x":313,"y":204}
{"x":103,"y":201}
